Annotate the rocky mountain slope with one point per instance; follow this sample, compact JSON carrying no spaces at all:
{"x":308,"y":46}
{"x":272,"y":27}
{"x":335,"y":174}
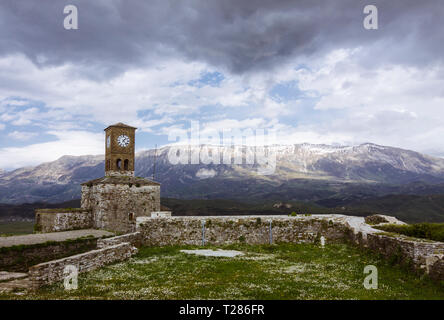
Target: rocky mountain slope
{"x":303,"y":172}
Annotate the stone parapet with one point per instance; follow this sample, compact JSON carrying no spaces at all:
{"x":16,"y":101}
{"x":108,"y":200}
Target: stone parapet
{"x":55,"y":220}
{"x":248,"y":229}
{"x":422,"y":255}
{"x":53,"y":271}
{"x":21,"y":257}
{"x":133,"y":238}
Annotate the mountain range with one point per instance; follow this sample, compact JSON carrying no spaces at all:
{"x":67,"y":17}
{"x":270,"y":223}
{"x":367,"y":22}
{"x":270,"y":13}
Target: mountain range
{"x":325,"y":174}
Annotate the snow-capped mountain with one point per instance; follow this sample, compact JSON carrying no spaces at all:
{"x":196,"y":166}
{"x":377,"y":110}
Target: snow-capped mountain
{"x":322,"y":165}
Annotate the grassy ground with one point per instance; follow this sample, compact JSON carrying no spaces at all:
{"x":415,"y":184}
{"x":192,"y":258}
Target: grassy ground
{"x":430,"y":231}
{"x":16,"y":228}
{"x":284,"y":271}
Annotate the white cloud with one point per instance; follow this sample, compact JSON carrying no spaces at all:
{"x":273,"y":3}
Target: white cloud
{"x":250,"y":123}
{"x":68,"y":143}
{"x":164,"y":89}
{"x":22,"y":135}
{"x":12,"y":103}
{"x":392,"y":105}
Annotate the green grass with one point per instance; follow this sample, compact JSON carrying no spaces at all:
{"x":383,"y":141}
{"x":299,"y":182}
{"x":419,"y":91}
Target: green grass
{"x":16,"y":228}
{"x":284,"y":271}
{"x":430,"y":231}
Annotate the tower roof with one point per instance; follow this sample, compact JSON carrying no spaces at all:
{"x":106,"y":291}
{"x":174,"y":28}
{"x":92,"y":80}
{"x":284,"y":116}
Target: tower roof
{"x":121,"y":125}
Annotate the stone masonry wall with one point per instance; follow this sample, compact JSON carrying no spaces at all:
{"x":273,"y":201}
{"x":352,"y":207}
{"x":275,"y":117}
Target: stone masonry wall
{"x":225,"y":230}
{"x":115,"y":207}
{"x":421,"y":254}
{"x":20,"y":258}
{"x":55,"y":221}
{"x":424,"y":256}
{"x":133,"y":238}
{"x":415,"y":251}
{"x":436,"y":267}
{"x":53,"y":271}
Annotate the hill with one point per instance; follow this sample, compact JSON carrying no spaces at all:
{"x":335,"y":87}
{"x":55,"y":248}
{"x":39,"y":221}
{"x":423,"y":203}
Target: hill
{"x":317,"y":178}
{"x":303,"y":172}
{"x":408,"y":208}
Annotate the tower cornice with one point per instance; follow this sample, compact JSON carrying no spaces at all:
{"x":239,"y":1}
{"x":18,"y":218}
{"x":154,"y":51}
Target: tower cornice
{"x":119,"y":125}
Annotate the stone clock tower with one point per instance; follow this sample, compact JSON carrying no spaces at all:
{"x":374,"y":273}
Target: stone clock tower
{"x":119,"y":150}
{"x":116,"y":200}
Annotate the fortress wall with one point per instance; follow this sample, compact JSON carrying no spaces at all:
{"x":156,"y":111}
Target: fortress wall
{"x":419,"y":253}
{"x":247,"y":229}
{"x":53,"y":271}
{"x":133,"y":238}
{"x":21,"y":257}
{"x":55,"y":220}
{"x":436,"y":268}
{"x":392,"y":247}
{"x":423,"y":255}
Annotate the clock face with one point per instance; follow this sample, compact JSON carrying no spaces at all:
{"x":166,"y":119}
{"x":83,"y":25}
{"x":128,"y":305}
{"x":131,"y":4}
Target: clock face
{"x":123,"y":140}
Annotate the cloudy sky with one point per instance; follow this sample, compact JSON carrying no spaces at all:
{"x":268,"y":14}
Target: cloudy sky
{"x":307,"y":69}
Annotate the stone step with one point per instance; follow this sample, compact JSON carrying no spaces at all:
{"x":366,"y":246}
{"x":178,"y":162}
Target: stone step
{"x":6,"y":276}
{"x":18,"y":285}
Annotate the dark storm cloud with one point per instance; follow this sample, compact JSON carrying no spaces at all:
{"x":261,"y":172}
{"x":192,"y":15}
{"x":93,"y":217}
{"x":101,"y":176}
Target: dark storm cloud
{"x":242,"y":36}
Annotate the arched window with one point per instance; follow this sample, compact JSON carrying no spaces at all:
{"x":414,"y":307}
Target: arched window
{"x":125,"y":164}
{"x":119,"y":164}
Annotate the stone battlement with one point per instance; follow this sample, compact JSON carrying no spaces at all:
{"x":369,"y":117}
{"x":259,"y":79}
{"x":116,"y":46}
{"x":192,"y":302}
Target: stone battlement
{"x":53,"y":271}
{"x":231,"y":229}
{"x":422,"y":255}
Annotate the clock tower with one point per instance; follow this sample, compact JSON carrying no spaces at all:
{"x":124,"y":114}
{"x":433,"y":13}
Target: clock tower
{"x":115,"y":201}
{"x":119,"y":150}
